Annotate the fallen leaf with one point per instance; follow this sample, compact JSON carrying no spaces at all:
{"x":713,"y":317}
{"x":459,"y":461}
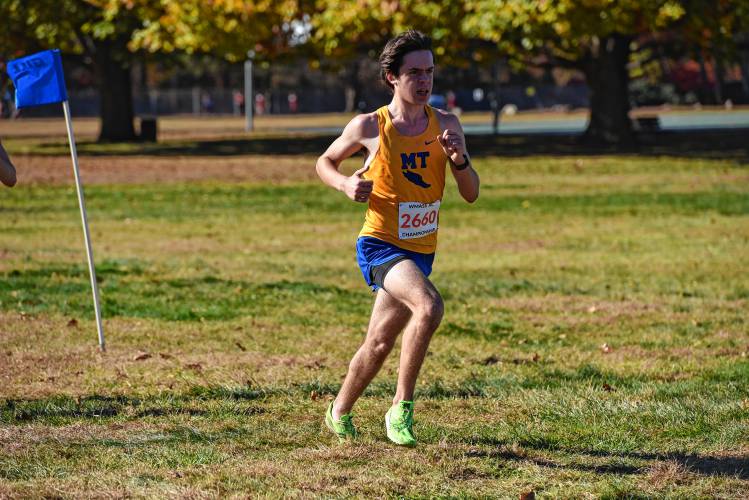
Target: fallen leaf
{"x":240,"y":346}
{"x":608,"y":388}
{"x":592,"y":309}
{"x":605,"y":348}
{"x":535,"y":357}
{"x":141,"y":356}
{"x":194,"y":366}
{"x":314,"y":396}
{"x":164,"y":355}
{"x":73,"y":323}
{"x":528,"y":495}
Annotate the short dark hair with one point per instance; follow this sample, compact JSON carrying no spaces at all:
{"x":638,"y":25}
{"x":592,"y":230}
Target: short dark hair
{"x":396,"y":49}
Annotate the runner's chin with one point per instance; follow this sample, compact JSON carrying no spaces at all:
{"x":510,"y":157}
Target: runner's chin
{"x":422,"y":96}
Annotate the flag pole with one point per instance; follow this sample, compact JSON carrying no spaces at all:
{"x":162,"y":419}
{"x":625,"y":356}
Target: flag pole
{"x":84,"y":219}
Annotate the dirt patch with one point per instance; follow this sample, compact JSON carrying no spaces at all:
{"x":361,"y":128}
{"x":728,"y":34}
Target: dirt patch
{"x":57,"y":170}
{"x":667,"y":473}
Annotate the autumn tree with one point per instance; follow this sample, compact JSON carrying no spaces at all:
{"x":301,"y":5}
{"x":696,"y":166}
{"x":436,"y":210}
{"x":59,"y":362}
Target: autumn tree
{"x":594,"y":36}
{"x":100,"y":30}
{"x":111,"y":32}
{"x":598,"y":37}
{"x":226,"y":29}
{"x":347,"y":31}
{"x":715,"y":29}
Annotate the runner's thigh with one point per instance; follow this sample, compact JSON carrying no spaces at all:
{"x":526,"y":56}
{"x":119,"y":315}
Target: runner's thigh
{"x":407,"y":283}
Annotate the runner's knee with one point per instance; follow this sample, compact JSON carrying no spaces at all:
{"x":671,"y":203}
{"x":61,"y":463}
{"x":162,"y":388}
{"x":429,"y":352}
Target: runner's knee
{"x":381,"y":347}
{"x":431,"y":308}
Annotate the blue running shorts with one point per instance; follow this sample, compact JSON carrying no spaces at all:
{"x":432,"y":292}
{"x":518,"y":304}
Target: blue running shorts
{"x":376,"y":257}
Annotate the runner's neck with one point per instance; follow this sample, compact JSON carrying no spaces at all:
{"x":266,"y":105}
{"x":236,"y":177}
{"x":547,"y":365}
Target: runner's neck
{"x":410,"y":114}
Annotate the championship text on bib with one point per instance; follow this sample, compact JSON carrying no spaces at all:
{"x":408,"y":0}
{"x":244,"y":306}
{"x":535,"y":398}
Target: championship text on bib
{"x":417,"y":219}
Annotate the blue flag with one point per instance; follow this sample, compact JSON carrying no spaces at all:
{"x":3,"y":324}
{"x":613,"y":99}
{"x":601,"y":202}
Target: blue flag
{"x":38,"y":79}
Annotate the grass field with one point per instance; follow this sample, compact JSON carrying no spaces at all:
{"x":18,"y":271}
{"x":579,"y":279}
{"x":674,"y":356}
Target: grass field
{"x":594,"y":343}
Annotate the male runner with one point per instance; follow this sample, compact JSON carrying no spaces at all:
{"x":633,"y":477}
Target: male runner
{"x":7,"y":171}
{"x":408,"y":145}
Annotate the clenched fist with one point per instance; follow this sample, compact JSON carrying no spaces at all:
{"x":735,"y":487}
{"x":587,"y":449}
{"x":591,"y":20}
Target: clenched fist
{"x":453,"y":144}
{"x":357,"y":187}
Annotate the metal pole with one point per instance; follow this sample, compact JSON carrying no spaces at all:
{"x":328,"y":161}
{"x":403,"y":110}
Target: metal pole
{"x":84,"y":219}
{"x":249,"y":100}
{"x":195,"y":101}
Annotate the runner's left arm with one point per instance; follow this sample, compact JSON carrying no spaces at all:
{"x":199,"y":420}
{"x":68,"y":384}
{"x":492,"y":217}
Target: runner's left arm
{"x":7,"y":171}
{"x":453,"y":142}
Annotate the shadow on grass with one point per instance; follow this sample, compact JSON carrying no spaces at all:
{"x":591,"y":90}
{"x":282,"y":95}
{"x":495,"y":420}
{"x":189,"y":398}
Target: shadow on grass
{"x":730,"y":466}
{"x":132,"y":290}
{"x":694,"y":143}
{"x":61,"y":408}
{"x":541,"y":462}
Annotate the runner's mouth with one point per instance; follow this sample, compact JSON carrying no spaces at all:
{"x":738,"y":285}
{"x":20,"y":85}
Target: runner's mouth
{"x":422,"y":92}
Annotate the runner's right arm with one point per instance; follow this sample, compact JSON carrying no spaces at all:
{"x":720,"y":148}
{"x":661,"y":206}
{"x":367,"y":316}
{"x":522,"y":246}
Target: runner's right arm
{"x":351,"y":140}
{"x":7,"y":171}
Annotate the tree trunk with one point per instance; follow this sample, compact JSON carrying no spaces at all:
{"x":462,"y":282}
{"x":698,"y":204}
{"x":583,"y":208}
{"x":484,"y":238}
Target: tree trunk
{"x":116,"y":94}
{"x":744,"y":65}
{"x":719,"y":79}
{"x":608,"y":79}
{"x":354,"y":86}
{"x":705,"y":81}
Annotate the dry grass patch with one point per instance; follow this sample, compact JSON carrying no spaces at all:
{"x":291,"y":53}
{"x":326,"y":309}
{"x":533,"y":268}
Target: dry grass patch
{"x":57,"y":170}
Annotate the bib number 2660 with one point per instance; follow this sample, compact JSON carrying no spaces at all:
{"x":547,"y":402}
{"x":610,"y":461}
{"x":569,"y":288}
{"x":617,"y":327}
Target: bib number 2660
{"x":417,"y":219}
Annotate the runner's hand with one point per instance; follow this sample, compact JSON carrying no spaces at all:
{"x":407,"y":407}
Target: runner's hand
{"x":357,"y":187}
{"x":453,"y":144}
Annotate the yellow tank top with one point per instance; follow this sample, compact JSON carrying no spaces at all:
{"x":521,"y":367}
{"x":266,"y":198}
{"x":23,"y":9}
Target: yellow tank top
{"x":409,"y":180}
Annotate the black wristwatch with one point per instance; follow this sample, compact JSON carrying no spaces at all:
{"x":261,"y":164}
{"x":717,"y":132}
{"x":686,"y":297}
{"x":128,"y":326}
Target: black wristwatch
{"x":464,"y":165}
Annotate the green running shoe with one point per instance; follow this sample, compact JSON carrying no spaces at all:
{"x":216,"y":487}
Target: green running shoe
{"x":399,"y":421}
{"x":343,"y":428}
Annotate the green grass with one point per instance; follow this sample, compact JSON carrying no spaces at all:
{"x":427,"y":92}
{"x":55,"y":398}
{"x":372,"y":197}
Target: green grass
{"x":232,"y":310}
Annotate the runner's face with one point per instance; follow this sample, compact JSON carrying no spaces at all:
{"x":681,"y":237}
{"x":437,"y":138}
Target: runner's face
{"x":414,"y":82}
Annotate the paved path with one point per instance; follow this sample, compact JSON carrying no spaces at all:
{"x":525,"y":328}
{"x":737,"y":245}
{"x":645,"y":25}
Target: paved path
{"x":668,"y":121}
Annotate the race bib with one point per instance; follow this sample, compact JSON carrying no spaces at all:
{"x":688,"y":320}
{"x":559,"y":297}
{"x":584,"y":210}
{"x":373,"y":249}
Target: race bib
{"x":417,"y":219}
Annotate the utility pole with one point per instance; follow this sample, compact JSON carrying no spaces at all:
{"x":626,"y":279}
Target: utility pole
{"x":249,"y":100}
